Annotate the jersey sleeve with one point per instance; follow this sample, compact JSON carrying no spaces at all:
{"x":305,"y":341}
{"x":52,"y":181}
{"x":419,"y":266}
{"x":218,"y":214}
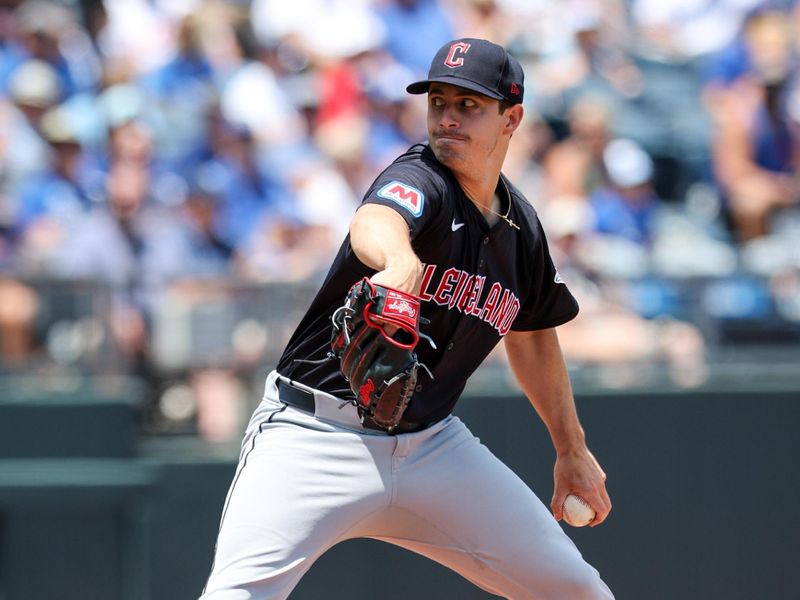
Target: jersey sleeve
{"x":549,"y":302}
{"x":412,"y":190}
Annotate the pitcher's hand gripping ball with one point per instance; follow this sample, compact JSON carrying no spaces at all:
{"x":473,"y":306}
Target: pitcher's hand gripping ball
{"x":577,"y":511}
{"x":380,"y":367}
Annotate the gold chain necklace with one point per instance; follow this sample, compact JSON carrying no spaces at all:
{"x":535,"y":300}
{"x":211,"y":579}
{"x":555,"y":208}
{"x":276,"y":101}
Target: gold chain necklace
{"x":508,"y":212}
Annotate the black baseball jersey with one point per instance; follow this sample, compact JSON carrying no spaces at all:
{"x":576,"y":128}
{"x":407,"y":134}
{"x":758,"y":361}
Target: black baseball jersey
{"x":479,"y":282}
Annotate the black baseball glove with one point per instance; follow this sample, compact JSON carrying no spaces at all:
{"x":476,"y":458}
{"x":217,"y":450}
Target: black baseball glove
{"x":380,"y":367}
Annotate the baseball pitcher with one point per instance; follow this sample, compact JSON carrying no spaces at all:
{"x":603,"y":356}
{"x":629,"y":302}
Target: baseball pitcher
{"x":355,"y":436}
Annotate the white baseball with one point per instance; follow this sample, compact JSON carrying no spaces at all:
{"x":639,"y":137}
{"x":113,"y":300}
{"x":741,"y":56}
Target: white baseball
{"x":577,"y":511}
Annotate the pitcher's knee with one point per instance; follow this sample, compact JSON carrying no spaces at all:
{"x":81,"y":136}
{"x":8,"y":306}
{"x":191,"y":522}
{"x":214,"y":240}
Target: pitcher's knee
{"x":585,"y":584}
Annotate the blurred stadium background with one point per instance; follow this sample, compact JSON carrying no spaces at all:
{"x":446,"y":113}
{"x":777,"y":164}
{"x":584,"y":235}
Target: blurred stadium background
{"x":176,"y":175}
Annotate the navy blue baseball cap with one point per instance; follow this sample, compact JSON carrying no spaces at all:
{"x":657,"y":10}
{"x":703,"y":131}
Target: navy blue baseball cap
{"x":478,"y":65}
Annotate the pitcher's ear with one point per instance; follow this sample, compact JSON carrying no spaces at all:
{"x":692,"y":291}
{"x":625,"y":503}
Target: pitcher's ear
{"x":514,"y":116}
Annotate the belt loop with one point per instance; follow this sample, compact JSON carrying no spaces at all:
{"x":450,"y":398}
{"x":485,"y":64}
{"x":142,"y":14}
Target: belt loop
{"x":295,"y":396}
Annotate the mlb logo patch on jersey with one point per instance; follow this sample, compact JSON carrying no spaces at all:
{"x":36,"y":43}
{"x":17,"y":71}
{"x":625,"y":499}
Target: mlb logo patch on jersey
{"x":406,"y":196}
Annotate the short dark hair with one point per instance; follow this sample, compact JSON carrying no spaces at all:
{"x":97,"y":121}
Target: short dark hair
{"x":505,"y":105}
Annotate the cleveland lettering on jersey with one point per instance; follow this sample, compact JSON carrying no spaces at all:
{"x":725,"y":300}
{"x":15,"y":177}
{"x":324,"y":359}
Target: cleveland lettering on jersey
{"x":462,"y":291}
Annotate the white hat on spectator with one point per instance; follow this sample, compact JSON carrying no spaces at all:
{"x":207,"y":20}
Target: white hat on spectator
{"x":585,"y":15}
{"x":35,"y":83}
{"x":329,"y":28}
{"x":346,"y":33}
{"x":121,"y":103}
{"x":627,"y":164}
{"x":388,"y":84}
{"x":566,"y":215}
{"x":57,"y":128}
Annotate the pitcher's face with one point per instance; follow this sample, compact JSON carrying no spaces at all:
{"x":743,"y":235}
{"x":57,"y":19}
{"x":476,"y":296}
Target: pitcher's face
{"x":464,"y":127}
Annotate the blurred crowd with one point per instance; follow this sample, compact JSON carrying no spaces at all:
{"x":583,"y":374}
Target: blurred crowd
{"x":175,"y":151}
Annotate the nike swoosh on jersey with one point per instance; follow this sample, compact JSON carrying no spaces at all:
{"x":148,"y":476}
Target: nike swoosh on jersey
{"x":456,"y":226}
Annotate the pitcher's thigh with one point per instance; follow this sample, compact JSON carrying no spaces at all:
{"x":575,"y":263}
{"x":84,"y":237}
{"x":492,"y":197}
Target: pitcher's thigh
{"x":487,"y":524}
{"x":287,"y":505}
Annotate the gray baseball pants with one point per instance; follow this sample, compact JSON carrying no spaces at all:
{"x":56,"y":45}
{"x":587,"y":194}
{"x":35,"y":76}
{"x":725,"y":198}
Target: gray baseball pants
{"x":306,"y":482}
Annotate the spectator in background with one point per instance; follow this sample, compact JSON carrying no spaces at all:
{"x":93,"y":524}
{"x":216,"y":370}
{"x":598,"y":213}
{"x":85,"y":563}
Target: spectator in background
{"x":602,"y":40}
{"x":182,"y":92}
{"x":341,"y":128}
{"x":134,"y":133}
{"x":485,"y":19}
{"x":415,"y":29}
{"x":387,"y":112}
{"x":614,"y":176}
{"x":284,"y":249}
{"x":627,"y":205}
{"x":574,"y":166}
{"x":756,"y":146}
{"x":19,"y":305}
{"x":133,"y":37}
{"x":50,"y":32}
{"x":314,"y":28}
{"x":127,"y":241}
{"x":186,"y":76}
{"x":321,"y":197}
{"x":296,"y":240}
{"x":680,"y":31}
{"x":33,"y":89}
{"x":246,"y":193}
{"x":211,"y":254}
{"x":251,"y":95}
{"x":607,"y":332}
{"x":52,"y":202}
{"x":590,"y":55}
{"x":130,"y":140}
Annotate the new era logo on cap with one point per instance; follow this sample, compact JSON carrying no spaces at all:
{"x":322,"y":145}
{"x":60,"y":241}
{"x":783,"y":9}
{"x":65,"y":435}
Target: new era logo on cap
{"x":477,"y":65}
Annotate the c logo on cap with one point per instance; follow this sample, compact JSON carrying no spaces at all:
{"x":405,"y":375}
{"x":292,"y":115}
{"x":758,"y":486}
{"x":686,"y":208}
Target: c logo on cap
{"x":457,"y":48}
